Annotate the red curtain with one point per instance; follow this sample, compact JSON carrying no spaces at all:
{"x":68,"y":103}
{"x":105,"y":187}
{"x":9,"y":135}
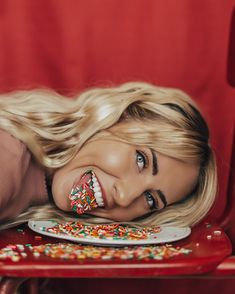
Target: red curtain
{"x":73,"y":44}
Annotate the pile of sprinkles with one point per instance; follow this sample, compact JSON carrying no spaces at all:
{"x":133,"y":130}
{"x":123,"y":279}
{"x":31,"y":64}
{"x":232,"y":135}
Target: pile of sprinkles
{"x":103,"y":231}
{"x":70,"y":251}
{"x":82,"y":197}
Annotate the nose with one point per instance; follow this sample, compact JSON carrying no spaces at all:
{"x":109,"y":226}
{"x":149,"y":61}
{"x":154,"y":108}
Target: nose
{"x":128,"y":190}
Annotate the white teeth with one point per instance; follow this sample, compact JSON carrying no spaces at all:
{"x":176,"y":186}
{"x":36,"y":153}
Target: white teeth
{"x":97,"y":192}
{"x":97,"y":189}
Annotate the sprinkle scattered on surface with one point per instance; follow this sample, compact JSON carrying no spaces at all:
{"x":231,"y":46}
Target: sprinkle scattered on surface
{"x":70,"y":251}
{"x":21,"y":231}
{"x":38,"y":237}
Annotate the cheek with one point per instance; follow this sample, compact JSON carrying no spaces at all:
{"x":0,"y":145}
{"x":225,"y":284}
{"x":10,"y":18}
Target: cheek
{"x":136,"y":209}
{"x":125,"y":214}
{"x":61,"y":184}
{"x":115,"y":162}
{"x":111,"y":152}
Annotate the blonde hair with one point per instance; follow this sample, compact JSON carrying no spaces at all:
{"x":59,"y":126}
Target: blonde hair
{"x":54,"y":128}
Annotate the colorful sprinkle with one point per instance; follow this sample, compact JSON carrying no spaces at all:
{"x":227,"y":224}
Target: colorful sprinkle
{"x":38,"y":237}
{"x":104,"y":231}
{"x":82,"y":195}
{"x":20,"y":231}
{"x":69,"y":251}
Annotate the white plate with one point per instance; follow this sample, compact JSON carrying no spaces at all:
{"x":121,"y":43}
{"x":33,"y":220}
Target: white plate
{"x":167,"y":234}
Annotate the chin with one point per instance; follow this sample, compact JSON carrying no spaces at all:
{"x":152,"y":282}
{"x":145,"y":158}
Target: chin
{"x":109,"y":218}
{"x":63,"y":205}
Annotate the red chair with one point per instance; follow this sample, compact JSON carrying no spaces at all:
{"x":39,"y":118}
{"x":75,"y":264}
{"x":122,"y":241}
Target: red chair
{"x":76,"y":44}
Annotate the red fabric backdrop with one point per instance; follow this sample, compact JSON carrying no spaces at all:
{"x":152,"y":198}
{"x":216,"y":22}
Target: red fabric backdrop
{"x":73,"y":44}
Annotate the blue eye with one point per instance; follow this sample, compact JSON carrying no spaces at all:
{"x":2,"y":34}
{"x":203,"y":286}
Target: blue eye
{"x":150,"y":199}
{"x":141,"y":160}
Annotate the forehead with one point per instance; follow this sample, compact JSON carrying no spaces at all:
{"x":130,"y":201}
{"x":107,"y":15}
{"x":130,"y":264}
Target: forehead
{"x":175,"y":178}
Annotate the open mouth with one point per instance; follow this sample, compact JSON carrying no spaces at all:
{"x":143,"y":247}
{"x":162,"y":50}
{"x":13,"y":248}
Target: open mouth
{"x":86,"y":194}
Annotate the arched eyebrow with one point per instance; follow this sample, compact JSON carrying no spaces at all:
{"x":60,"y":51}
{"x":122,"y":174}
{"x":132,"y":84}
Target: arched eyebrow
{"x":154,"y":172}
{"x":162,"y":197}
{"x":154,"y":163}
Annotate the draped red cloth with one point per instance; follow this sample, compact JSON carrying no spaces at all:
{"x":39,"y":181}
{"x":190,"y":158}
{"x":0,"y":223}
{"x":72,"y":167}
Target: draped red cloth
{"x":71,"y":45}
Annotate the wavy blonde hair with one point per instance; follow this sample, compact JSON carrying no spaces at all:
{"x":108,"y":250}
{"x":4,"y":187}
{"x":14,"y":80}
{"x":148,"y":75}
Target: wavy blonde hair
{"x":54,"y":128}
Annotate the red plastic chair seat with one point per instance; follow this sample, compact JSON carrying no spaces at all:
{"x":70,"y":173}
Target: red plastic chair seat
{"x":209,"y":244}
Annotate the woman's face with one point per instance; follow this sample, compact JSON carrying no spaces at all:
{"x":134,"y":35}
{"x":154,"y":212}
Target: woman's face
{"x":133,"y":180}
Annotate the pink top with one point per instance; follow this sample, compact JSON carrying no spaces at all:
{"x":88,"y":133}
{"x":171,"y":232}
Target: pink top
{"x":22,"y":180}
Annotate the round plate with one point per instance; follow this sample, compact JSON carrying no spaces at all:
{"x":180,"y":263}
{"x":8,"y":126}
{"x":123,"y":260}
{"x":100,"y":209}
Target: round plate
{"x":167,"y":234}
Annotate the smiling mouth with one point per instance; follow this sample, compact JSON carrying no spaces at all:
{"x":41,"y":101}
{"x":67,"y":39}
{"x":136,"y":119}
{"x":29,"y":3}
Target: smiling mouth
{"x":86,"y":194}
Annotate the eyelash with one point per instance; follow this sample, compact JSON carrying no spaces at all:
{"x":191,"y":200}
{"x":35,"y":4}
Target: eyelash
{"x":144,"y":157}
{"x":149,"y":197}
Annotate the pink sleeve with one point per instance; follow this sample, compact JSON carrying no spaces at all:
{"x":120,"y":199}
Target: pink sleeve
{"x":14,"y":160}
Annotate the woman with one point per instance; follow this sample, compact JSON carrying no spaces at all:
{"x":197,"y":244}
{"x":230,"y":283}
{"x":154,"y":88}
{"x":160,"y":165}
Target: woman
{"x":140,"y":152}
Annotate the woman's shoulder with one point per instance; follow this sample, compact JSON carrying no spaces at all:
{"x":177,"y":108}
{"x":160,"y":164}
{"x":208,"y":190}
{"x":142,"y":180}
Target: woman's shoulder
{"x":14,"y":156}
{"x":10,"y":143}
{"x":14,"y":160}
{"x":21,"y":178}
